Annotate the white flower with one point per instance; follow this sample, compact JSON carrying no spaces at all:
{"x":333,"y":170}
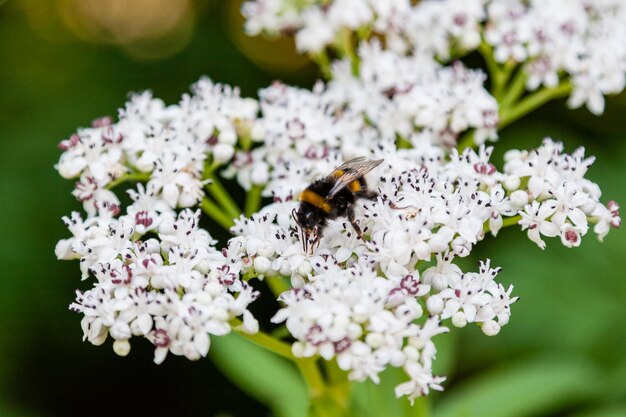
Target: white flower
{"x":440,"y":275}
{"x":465,"y":293}
{"x":535,"y":219}
{"x":316,"y":33}
{"x":421,"y":382}
{"x":605,"y":218}
{"x":178,"y":185}
{"x":94,"y":152}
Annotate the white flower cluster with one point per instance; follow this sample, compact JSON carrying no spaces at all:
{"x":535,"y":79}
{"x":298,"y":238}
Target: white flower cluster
{"x":360,"y":301}
{"x":409,"y":100}
{"x":321,"y":23}
{"x":363,"y":302}
{"x":581,"y":39}
{"x":167,"y":144}
{"x":558,"y":200}
{"x":157,"y":274}
{"x":159,"y":277}
{"x":401,"y":95}
{"x":369,"y":322}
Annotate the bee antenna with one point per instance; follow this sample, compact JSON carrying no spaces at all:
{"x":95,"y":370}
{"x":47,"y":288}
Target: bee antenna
{"x":303,"y":238}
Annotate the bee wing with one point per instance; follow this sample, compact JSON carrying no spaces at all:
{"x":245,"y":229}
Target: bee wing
{"x":351,"y":171}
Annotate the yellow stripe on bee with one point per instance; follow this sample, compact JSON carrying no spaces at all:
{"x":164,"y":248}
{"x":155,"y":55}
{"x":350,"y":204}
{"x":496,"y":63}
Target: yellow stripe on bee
{"x":315,"y":200}
{"x":355,"y":186}
{"x":338,"y":173}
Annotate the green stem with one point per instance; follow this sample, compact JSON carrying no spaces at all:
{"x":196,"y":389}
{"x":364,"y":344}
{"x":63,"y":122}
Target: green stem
{"x":334,"y":373}
{"x":487,"y":53}
{"x":313,"y":377}
{"x":245,"y":140}
{"x":506,"y":222}
{"x":531,"y":102}
{"x":278,"y":285}
{"x":466,"y":141}
{"x":363,"y":33}
{"x":512,"y":110}
{"x":217,"y":190}
{"x":281,"y":332}
{"x":216,"y":213}
{"x":403,"y":143}
{"x":499,"y":74}
{"x":511,"y":221}
{"x":265,"y":341}
{"x":323,"y":63}
{"x":503,"y":78}
{"x":209,"y":168}
{"x":253,"y":200}
{"x":133,"y":176}
{"x":515,"y":89}
{"x":347,"y":46}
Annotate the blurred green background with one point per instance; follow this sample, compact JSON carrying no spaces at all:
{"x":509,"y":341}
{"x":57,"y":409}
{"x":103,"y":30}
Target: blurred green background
{"x":66,"y":62}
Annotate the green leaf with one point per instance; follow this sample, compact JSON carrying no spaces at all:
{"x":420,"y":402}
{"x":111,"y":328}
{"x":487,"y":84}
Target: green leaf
{"x":525,"y":388}
{"x":266,"y":377}
{"x":380,"y":400}
{"x":445,"y":362}
{"x":618,"y":410}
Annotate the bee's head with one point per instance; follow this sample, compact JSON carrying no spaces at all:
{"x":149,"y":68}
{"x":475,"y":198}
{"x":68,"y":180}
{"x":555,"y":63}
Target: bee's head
{"x":307,"y":218}
{"x":308,"y":222}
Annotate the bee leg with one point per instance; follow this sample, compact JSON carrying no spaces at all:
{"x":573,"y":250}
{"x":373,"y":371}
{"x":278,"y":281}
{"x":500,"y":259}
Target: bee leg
{"x":411,"y":212}
{"x":354,"y":224}
{"x":316,"y":242}
{"x":397,"y":207}
{"x":318,"y":236}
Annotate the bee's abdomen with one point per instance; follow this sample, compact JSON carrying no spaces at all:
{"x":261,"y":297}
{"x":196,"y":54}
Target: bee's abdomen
{"x":356,"y":186}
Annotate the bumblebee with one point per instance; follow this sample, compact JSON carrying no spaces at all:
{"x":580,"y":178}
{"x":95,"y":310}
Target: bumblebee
{"x":331,"y":197}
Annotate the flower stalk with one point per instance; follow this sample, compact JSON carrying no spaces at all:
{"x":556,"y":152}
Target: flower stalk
{"x":217,"y":190}
{"x":253,"y":200}
{"x":216,"y":213}
{"x":264,"y":340}
{"x":130,"y":177}
{"x":509,"y":114}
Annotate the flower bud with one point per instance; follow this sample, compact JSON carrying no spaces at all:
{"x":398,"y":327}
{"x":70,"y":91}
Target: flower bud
{"x":257,"y":133}
{"x":120,"y":331}
{"x":490,"y":328}
{"x":411,"y":352}
{"x":304,"y":269}
{"x":459,"y":319}
{"x":519,"y":198}
{"x":511,"y":182}
{"x":222,"y":153}
{"x":434,"y":304}
{"x":227,"y":137}
{"x":121,"y":347}
{"x":262,"y":264}
{"x":260,"y":174}
{"x":374,"y":340}
{"x":63,"y":250}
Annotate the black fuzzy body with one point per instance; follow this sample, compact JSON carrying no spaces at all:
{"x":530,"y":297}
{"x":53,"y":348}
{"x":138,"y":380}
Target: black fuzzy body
{"x":342,"y":204}
{"x":331,"y":197}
